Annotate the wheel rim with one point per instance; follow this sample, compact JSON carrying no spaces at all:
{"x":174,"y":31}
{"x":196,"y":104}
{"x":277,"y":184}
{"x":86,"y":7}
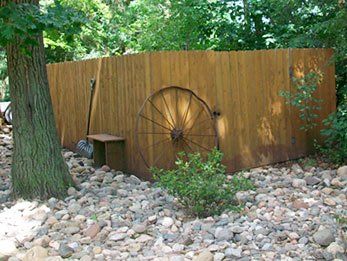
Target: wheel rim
{"x":171,"y":120}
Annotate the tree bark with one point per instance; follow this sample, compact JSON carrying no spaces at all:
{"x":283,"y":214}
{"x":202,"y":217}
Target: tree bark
{"x":38,"y":168}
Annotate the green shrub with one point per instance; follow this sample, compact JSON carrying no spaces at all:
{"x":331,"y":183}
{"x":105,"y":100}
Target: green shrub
{"x":304,"y":100}
{"x":201,"y":186}
{"x":335,"y":147}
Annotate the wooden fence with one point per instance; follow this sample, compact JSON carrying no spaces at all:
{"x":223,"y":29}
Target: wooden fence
{"x":255,"y":126}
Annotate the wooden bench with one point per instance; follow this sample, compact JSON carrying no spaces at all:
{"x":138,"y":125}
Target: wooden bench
{"x":109,"y":150}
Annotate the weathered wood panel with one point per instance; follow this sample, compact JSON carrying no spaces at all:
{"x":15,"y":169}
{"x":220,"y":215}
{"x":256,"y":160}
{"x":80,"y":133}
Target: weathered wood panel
{"x":255,"y":125}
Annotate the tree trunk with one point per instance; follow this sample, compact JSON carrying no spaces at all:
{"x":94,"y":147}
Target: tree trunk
{"x":38,"y":168}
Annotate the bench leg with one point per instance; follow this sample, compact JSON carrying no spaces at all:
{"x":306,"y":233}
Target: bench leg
{"x":99,"y":154}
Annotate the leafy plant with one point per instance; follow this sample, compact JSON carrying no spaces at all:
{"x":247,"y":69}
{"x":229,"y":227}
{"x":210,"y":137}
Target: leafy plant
{"x":335,"y":146}
{"x":308,"y":162}
{"x":341,"y":219}
{"x":201,"y":186}
{"x":304,"y":100}
{"x":94,"y":217}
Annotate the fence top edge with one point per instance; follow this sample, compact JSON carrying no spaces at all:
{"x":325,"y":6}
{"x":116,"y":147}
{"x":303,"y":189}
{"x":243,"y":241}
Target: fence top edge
{"x":186,"y":52}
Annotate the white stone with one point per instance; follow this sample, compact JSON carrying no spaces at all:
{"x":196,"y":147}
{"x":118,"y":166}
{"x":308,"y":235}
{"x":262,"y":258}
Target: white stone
{"x":117,"y":236}
{"x":167,"y":222}
{"x":218,"y":256}
{"x":7,"y":248}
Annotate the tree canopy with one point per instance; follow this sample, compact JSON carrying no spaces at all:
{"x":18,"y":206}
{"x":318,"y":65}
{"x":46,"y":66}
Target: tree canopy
{"x":130,"y":26}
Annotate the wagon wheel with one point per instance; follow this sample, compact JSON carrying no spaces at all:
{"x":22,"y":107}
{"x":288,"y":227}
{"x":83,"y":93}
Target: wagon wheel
{"x":171,"y":120}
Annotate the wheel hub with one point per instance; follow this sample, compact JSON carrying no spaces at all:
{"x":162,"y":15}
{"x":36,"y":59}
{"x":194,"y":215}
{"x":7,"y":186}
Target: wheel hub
{"x":176,"y":134}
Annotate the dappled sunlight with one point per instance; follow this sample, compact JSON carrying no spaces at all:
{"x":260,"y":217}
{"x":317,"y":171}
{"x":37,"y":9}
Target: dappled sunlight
{"x":264,"y":131}
{"x":222,"y":126}
{"x":276,"y":108}
{"x":20,"y":223}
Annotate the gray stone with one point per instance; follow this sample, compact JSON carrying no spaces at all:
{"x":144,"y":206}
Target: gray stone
{"x":117,"y":236}
{"x":297,"y":169}
{"x":326,"y":174}
{"x":71,"y":191}
{"x":52,"y":202}
{"x":122,"y":193}
{"x":223,"y":234}
{"x":262,"y":231}
{"x":74,"y":208}
{"x":86,"y":258}
{"x":311,"y":181}
{"x":303,"y":240}
{"x":135,"y":180}
{"x":233,"y":252}
{"x":177,"y":258}
{"x":71,"y":230}
{"x":65,"y":251}
{"x":237,"y":229}
{"x":324,"y":237}
{"x":139,"y":228}
{"x":219,"y":256}
{"x":298,"y":183}
{"x":266,"y":247}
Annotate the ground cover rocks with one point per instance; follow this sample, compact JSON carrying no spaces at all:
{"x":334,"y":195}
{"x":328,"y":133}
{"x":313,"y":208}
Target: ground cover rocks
{"x":109,"y":215}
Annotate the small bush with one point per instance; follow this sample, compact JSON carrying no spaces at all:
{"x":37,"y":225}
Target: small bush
{"x":201,"y":186}
{"x":303,"y":98}
{"x":335,"y":147}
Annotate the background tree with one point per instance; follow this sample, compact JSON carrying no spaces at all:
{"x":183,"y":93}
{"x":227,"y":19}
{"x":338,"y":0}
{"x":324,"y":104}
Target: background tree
{"x":38,"y":168}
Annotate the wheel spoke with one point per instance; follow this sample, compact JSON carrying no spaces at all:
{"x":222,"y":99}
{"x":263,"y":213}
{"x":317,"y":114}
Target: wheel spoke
{"x":177,"y":106}
{"x":188,"y":146}
{"x":159,"y":156}
{"x":197,"y":144}
{"x":197,"y":116}
{"x":157,"y":143}
{"x":202,"y":135}
{"x":167,"y":107}
{"x":154,"y":133}
{"x":198,"y":124}
{"x":155,"y":107}
{"x":145,"y":117}
{"x":187,"y":109}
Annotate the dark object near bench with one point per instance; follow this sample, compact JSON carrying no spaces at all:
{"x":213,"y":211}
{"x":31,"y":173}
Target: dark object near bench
{"x":109,"y":150}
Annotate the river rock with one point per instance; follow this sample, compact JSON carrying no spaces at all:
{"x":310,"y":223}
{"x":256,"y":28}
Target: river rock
{"x":342,"y":172}
{"x":311,"y":181}
{"x":7,"y":248}
{"x":65,"y":251}
{"x":204,"y":256}
{"x":298,"y":183}
{"x":324,"y":237}
{"x":167,"y":222}
{"x":36,"y":253}
{"x":92,"y":230}
{"x":334,"y":248}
